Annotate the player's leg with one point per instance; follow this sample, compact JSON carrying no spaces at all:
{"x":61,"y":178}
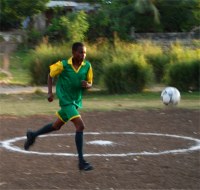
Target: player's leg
{"x":79,"y":124}
{"x":31,"y":135}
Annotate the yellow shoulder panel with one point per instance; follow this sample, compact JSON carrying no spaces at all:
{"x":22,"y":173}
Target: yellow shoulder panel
{"x":56,"y":69}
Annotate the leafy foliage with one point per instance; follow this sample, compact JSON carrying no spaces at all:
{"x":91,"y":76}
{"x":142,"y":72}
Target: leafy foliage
{"x":122,"y":17}
{"x":71,"y":27}
{"x":128,"y":77}
{"x":13,"y":12}
{"x":159,"y":63}
{"x":178,"y":16}
{"x":183,"y":70}
{"x":114,"y":16}
{"x":185,"y":75}
{"x":77,"y":26}
{"x":127,"y":16}
{"x":127,"y":70}
{"x":42,"y":57}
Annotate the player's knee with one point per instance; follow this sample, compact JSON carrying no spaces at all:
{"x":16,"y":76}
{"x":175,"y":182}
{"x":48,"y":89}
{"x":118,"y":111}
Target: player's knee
{"x":80,"y":128}
{"x":57,"y":124}
{"x":56,"y":127}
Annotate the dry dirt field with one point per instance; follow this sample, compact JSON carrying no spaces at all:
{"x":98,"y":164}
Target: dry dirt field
{"x":151,"y":149}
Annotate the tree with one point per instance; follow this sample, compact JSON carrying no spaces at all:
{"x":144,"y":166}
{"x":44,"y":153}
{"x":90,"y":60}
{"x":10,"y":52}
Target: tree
{"x":70,"y":27}
{"x":179,"y":16}
{"x":116,"y":16}
{"x":77,"y":26}
{"x":90,"y":1}
{"x":13,"y":12}
{"x":143,"y":6}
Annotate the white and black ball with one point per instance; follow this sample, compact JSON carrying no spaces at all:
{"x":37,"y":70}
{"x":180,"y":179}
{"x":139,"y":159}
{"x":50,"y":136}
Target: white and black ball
{"x":170,"y":95}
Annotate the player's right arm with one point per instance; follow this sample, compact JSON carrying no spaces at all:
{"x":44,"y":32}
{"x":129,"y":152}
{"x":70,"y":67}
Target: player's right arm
{"x":55,"y":70}
{"x":50,"y":84}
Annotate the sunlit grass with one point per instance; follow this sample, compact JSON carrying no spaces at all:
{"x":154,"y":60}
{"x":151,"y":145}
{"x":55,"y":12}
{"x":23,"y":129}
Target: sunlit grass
{"x":20,"y":78}
{"x":30,"y":104}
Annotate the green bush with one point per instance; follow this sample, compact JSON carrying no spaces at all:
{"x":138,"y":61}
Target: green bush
{"x":96,"y":55}
{"x":127,"y":77}
{"x":42,"y":57}
{"x":33,"y":37}
{"x":136,"y":76}
{"x":184,"y":75}
{"x":159,"y":63}
{"x":96,"y":62}
{"x":57,"y":30}
{"x":113,"y":79}
{"x":183,"y":70}
{"x":179,"y":52}
{"x":125,"y":67}
{"x":45,"y":54}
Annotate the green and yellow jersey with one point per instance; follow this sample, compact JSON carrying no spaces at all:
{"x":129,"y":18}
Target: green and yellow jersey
{"x":68,"y":86}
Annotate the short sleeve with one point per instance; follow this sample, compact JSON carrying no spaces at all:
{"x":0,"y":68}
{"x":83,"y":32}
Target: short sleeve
{"x":56,"y":69}
{"x":90,"y":75}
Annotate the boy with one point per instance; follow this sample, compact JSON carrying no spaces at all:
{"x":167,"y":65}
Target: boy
{"x":74,"y":75}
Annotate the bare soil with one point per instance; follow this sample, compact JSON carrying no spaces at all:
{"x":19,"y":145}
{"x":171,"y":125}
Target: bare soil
{"x":161,"y":171}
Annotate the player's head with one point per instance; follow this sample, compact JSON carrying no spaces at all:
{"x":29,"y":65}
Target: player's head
{"x":79,"y":51}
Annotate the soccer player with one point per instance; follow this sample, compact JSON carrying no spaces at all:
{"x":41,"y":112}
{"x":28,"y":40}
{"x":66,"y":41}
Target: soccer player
{"x":74,"y":75}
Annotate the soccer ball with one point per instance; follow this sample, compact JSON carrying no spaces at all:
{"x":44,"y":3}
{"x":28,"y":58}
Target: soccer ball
{"x":170,"y":95}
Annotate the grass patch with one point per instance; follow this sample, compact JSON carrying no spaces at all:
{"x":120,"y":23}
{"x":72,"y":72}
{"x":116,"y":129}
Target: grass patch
{"x":19,"y":69}
{"x":20,"y":77}
{"x":30,"y":104}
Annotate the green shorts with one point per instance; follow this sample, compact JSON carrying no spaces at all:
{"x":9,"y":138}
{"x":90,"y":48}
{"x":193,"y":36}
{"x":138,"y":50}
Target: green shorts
{"x":68,"y":112}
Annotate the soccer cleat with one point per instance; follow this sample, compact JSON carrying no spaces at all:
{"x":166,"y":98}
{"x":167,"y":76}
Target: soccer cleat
{"x":30,"y":140}
{"x":85,"y":166}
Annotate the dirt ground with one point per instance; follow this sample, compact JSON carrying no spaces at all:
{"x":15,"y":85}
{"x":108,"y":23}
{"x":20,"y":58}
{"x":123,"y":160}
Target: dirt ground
{"x":125,"y":164}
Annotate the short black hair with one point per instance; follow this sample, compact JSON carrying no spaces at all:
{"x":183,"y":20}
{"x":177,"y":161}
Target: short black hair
{"x":76,"y":45}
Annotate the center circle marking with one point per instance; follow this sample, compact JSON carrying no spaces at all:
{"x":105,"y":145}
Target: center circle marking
{"x":8,"y":144}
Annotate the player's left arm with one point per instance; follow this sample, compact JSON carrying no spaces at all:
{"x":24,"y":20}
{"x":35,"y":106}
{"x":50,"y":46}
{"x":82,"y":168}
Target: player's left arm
{"x":88,"y":83}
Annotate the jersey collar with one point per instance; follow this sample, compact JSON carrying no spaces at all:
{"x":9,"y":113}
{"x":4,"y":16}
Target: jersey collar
{"x":70,"y":63}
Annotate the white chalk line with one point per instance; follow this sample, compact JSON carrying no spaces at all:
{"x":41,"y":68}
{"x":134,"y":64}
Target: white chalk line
{"x":8,"y":144}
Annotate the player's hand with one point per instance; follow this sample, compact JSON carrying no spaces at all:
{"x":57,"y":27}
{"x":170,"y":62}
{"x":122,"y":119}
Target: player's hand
{"x":50,"y":97}
{"x":85,"y":84}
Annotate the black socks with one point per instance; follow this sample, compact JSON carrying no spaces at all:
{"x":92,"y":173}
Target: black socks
{"x":79,"y":145}
{"x":78,"y":138}
{"x":46,"y":129}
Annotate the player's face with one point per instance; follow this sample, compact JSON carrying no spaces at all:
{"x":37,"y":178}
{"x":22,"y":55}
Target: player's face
{"x":80,"y":54}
